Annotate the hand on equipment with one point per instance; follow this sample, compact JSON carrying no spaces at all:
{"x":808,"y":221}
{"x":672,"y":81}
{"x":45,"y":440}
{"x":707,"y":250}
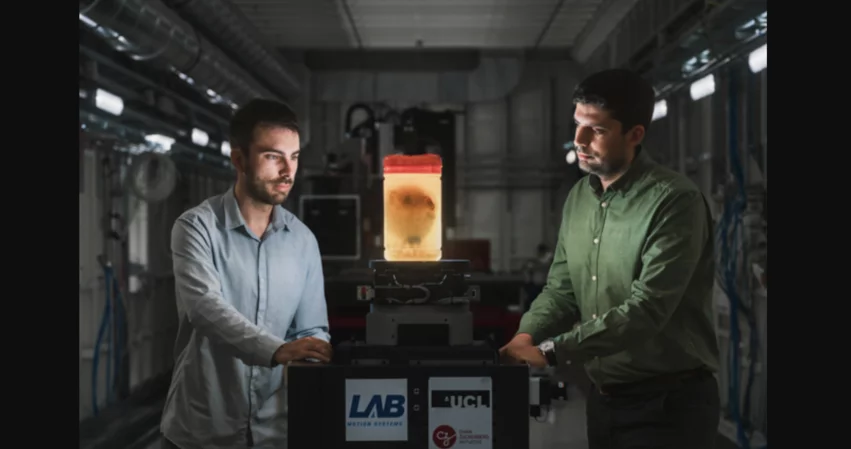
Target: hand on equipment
{"x":304,"y":348}
{"x":521,"y":350}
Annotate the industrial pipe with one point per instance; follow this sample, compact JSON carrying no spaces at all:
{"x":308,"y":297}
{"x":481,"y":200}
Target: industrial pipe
{"x":351,"y":111}
{"x":150,"y":31}
{"x":227,"y":27}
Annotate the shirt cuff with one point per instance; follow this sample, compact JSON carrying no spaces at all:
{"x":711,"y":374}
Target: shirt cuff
{"x":267,"y":349}
{"x":564,"y":357}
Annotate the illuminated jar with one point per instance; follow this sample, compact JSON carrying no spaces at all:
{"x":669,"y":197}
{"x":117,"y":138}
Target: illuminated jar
{"x":412,"y":208}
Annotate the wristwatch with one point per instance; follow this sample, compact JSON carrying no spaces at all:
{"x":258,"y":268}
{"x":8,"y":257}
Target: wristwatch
{"x":548,"y":349}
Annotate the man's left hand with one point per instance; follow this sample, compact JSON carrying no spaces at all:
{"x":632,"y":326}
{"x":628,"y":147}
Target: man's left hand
{"x":528,"y":354}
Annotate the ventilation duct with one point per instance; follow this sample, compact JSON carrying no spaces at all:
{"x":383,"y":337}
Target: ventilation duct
{"x":147,"y":30}
{"x":495,"y":78}
{"x":231,"y":31}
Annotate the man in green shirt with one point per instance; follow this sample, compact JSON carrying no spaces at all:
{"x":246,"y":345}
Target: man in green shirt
{"x":629,"y":291}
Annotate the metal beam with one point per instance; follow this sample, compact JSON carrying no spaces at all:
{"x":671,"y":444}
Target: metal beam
{"x":348,"y":12}
{"x":548,"y":24}
{"x":599,"y":28}
{"x":387,"y":60}
{"x":107,"y":61}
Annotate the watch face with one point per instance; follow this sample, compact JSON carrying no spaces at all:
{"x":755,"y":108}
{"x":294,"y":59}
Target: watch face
{"x":546,"y":346}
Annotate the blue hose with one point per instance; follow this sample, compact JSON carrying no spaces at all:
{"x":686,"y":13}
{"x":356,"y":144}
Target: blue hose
{"x":119,"y":332}
{"x":114,"y":348}
{"x":730,"y":254}
{"x":104,"y":327}
{"x":728,"y":236}
{"x":754,"y":337}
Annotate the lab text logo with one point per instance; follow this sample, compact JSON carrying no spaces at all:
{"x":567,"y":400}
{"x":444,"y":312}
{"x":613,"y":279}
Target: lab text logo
{"x":378,"y":406}
{"x":461,"y":398}
{"x":376,"y":410}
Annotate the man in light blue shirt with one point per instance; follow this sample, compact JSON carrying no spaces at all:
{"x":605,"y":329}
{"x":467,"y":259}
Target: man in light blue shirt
{"x":250,"y":295}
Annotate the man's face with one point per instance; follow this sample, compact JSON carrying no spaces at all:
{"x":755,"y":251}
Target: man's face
{"x":601,"y":146}
{"x":268,"y":170}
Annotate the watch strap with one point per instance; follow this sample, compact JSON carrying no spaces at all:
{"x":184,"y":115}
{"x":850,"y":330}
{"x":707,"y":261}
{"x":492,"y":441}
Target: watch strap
{"x":548,"y":350}
{"x":550,"y":354}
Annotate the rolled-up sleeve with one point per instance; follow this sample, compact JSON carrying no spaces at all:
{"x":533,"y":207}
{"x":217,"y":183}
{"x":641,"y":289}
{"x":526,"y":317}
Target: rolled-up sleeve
{"x":311,"y":316}
{"x":199,"y":294}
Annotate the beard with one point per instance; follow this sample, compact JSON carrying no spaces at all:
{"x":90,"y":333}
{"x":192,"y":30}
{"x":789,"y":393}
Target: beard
{"x":264,"y":191}
{"x":614,"y":163}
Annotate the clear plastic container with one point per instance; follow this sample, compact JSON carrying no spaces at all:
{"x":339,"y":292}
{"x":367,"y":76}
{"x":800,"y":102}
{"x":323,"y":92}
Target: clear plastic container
{"x":412,"y":208}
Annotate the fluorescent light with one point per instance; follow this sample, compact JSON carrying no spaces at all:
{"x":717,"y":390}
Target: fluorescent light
{"x":660,"y":110}
{"x":89,"y":22}
{"x":163,"y":141}
{"x":570,"y":157}
{"x":758,"y":59}
{"x":226,"y":149}
{"x":109,"y":102}
{"x":199,"y":137}
{"x":702,"y":87}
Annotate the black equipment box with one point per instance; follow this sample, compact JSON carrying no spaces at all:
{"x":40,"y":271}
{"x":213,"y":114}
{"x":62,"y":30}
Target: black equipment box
{"x":335,"y":220}
{"x":444,"y":279}
{"x":408,"y":407}
{"x":352,"y":353}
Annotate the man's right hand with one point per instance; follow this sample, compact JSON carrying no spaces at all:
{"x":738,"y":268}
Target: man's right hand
{"x":304,"y":348}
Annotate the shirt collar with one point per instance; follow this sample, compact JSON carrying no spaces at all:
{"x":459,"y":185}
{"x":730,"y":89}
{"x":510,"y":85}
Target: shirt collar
{"x":234,"y":219}
{"x":639,"y":165}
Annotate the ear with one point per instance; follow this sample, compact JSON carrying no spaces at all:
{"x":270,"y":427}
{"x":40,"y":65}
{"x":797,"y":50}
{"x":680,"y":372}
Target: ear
{"x":636,"y":135}
{"x":237,"y":158}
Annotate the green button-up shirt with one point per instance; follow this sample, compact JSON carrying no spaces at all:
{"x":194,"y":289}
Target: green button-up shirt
{"x":629,"y":292}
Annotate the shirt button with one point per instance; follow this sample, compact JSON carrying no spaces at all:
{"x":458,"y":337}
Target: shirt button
{"x":594,"y":316}
{"x":593,"y":278}
{"x":596,"y":241}
{"x":603,"y":204}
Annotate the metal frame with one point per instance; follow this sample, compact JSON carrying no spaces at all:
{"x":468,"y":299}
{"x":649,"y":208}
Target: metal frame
{"x":358,"y":243}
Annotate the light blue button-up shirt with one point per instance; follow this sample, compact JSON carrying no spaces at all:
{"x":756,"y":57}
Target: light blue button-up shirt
{"x":239,"y":298}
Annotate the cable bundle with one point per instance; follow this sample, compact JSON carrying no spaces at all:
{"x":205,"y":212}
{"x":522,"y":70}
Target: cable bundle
{"x":730,"y":239}
{"x":114,"y":323}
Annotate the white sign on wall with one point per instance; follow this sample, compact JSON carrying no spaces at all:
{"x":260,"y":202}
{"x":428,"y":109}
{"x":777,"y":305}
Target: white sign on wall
{"x":376,"y":410}
{"x":460,"y":412}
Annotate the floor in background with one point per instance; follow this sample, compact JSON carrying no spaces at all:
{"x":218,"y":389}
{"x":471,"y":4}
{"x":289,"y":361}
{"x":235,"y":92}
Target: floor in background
{"x":563,"y":427}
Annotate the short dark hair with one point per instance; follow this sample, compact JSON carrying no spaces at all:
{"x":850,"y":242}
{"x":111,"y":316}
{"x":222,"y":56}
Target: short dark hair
{"x":627,"y":96}
{"x":258,"y":113}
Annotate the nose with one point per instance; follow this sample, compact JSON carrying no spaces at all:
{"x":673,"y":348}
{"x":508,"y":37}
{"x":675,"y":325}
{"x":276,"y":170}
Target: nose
{"x":582,"y":137}
{"x":288,"y":168}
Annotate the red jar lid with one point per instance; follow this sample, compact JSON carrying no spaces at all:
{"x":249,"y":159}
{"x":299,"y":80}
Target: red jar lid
{"x":418,"y":163}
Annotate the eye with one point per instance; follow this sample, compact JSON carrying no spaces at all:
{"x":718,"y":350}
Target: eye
{"x":272,"y":157}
